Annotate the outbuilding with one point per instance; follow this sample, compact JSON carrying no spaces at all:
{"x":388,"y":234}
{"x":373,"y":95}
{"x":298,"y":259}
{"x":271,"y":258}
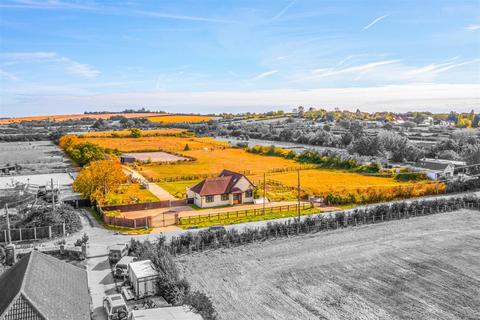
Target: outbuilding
{"x":142,"y":275}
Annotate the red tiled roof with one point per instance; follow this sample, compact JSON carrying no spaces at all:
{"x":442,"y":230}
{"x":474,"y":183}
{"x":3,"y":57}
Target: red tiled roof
{"x":219,"y":185}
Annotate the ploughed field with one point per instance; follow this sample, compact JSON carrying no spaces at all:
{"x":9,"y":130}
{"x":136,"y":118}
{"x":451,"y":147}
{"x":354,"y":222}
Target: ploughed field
{"x":420,"y":268}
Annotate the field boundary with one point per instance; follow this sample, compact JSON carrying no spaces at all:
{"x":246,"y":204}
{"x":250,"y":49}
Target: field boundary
{"x":202,"y":241}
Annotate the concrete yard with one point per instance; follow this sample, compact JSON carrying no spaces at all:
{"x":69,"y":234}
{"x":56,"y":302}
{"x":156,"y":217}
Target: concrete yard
{"x":420,"y":268}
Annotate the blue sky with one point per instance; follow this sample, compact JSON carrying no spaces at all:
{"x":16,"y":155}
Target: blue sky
{"x":213,"y":56}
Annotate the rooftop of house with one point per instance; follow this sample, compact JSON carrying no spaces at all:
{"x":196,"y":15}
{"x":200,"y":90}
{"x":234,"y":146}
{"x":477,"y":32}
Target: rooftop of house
{"x":55,"y":289}
{"x":222,"y":184}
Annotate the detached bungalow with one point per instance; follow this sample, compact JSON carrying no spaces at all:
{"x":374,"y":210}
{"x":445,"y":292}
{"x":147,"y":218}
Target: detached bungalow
{"x":229,"y":188}
{"x":437,"y":169}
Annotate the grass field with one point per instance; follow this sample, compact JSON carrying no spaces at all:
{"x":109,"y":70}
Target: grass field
{"x":179,"y":118}
{"x":420,"y":268}
{"x":129,"y":194}
{"x":178,"y":188}
{"x":243,"y":216}
{"x":63,"y":117}
{"x":214,"y":161}
{"x":127,"y":133}
{"x":155,"y":143}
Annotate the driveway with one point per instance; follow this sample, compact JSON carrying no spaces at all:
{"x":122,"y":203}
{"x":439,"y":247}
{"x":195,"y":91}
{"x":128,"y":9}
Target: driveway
{"x":155,"y":189}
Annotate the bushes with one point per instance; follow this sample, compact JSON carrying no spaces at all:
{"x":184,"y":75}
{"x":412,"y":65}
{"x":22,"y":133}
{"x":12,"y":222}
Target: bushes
{"x":204,"y":240}
{"x":44,"y":216}
{"x":81,"y":152}
{"x":171,"y":286}
{"x":327,"y":160}
{"x":410,"y":176}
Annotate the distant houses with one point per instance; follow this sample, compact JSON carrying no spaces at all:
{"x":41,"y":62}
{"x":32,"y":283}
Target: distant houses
{"x":229,"y":188}
{"x":437,"y":169}
{"x":40,"y":286}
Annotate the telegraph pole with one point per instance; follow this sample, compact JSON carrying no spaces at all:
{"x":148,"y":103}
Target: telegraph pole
{"x":8,"y":225}
{"x":53,"y":196}
{"x":298,"y":192}
{"x":264,"y":191}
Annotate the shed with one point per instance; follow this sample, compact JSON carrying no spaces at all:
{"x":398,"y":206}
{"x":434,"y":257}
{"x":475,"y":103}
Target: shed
{"x":142,"y":275}
{"x":169,"y":313}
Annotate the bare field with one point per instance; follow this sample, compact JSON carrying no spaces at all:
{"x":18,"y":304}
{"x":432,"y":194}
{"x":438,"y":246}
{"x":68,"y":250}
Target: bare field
{"x":63,"y":117}
{"x":34,"y":156}
{"x":420,"y":268}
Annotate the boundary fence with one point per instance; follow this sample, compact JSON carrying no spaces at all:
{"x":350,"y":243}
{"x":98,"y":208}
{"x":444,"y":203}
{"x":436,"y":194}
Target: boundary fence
{"x":146,"y":205}
{"x":26,"y":234}
{"x":219,"y":216}
{"x":204,"y":240}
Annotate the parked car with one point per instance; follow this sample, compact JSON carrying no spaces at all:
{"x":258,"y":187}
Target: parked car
{"x":217,"y":228}
{"x":117,"y":252}
{"x":121,"y":268}
{"x":115,"y":307}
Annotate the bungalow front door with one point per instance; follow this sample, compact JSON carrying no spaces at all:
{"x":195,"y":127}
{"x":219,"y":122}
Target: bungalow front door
{"x":237,"y":198}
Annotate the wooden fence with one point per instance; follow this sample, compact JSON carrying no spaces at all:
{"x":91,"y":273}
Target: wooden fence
{"x":128,"y":222}
{"x":146,"y":205}
{"x":241,"y":213}
{"x":27,"y":234}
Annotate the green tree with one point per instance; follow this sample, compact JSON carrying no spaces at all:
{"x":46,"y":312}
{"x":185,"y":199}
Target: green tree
{"x":135,"y":132}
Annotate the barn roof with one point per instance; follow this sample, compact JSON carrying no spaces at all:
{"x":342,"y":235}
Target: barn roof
{"x":55,"y":289}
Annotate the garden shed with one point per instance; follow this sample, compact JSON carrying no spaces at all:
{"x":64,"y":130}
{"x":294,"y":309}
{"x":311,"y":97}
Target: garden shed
{"x":142,"y":275}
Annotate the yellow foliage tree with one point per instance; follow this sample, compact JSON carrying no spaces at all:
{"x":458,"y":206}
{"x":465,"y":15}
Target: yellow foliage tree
{"x":99,"y":178}
{"x":68,"y":141}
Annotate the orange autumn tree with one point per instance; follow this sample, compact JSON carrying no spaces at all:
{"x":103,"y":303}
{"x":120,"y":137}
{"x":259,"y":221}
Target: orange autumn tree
{"x":98,"y":179}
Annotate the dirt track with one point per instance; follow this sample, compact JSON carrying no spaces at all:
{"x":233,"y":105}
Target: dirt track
{"x":421,"y":268}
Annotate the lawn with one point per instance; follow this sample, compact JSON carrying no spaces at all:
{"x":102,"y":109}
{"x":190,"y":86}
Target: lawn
{"x":179,"y":118}
{"x":211,"y":162}
{"x":155,"y":143}
{"x":421,"y":268}
{"x":204,"y":221}
{"x":129,"y":194}
{"x":178,"y":188}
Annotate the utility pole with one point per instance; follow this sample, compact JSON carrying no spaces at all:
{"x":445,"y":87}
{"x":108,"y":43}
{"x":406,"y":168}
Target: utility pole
{"x":8,"y":225}
{"x":264,"y":192}
{"x":298,"y":193}
{"x":53,"y":195}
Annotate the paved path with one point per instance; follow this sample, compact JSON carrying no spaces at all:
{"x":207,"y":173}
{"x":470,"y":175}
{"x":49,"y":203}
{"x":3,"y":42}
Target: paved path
{"x":155,"y":189}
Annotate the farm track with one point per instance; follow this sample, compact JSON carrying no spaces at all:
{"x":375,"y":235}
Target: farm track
{"x":421,"y":268}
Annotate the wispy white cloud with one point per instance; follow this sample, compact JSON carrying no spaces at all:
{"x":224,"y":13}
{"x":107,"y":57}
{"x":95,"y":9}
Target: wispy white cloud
{"x":371,"y":24}
{"x":47,"y":5}
{"x":8,"y":76}
{"x":322,"y":73}
{"x":264,"y":75}
{"x":283,"y":11}
{"x":164,"y":15}
{"x":70,"y":65}
{"x":473,"y":27}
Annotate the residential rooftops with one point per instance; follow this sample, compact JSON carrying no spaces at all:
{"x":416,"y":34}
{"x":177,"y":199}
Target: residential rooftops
{"x":45,"y":286}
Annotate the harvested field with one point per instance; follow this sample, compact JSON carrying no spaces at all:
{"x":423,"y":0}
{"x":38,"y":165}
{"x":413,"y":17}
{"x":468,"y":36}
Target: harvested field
{"x":34,"y":156}
{"x":155,"y":143}
{"x":76,"y":116}
{"x":420,"y":268}
{"x":214,"y":161}
{"x":179,"y":118}
{"x":127,"y":133}
{"x":158,"y":156}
